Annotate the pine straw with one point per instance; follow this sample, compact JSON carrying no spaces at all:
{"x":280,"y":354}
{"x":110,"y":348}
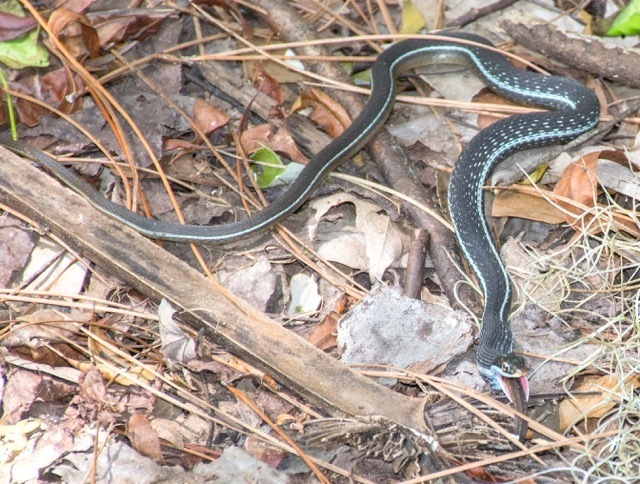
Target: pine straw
{"x":612,"y":258}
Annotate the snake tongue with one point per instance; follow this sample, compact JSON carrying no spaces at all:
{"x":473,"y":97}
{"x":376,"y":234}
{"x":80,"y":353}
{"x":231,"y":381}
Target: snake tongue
{"x":524,"y":383}
{"x":515,"y":388}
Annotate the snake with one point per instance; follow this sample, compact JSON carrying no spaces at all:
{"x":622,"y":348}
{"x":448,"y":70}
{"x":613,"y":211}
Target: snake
{"x":571,"y":110}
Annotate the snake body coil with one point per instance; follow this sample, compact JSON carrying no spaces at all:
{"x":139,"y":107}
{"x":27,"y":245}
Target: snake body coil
{"x":575,"y":110}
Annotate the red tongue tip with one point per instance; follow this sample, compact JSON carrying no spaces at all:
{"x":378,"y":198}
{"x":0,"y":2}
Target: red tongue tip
{"x":524,"y":383}
{"x":505,"y":387}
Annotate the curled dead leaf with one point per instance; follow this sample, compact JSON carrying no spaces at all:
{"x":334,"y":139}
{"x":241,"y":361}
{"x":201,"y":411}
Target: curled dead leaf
{"x":92,"y":386}
{"x":267,"y":84}
{"x":266,"y":136}
{"x":57,"y":87}
{"x":607,"y":391}
{"x":144,"y":438}
{"x":207,"y":117}
{"x":579,"y":183}
{"x":326,"y":112}
{"x":324,"y":334}
{"x":75,"y":31}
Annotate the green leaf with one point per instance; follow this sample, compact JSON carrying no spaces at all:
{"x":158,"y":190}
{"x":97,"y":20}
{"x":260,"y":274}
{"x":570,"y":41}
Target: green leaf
{"x":12,"y":6}
{"x":362,"y":78}
{"x":24,"y":51}
{"x":627,"y":22}
{"x":271,"y":172}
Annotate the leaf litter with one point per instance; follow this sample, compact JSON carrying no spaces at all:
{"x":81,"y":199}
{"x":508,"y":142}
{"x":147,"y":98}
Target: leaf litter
{"x":586,"y":283}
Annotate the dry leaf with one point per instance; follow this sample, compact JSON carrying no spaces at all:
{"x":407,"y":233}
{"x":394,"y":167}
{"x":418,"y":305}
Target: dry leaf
{"x":327,"y":113}
{"x":266,"y":136}
{"x":267,"y":85}
{"x":486,"y":96}
{"x":284,"y":417}
{"x":263,"y":452}
{"x":75,"y":31}
{"x":524,"y":205}
{"x":579,"y":183}
{"x":228,"y":5}
{"x":174,"y":144}
{"x":112,"y":369}
{"x":595,"y":406}
{"x":76,"y":5}
{"x":39,"y":329}
{"x":412,"y":21}
{"x":373,"y":246}
{"x":389,"y":328}
{"x":116,"y":372}
{"x":208,"y":117}
{"x":58,"y":85}
{"x":20,"y":393}
{"x":122,"y":26}
{"x":29,"y":113}
{"x":304,"y":296}
{"x":323,"y":335}
{"x":144,"y":438}
{"x":169,"y":431}
{"x":92,"y":386}
{"x":12,"y":26}
{"x":177,"y":346}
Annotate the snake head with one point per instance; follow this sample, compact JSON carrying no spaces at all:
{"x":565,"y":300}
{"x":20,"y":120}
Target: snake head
{"x":511,"y":372}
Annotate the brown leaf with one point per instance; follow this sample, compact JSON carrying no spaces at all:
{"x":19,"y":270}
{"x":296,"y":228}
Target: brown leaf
{"x":256,"y":137}
{"x":173,"y":144}
{"x":208,"y":117}
{"x":92,"y":386}
{"x":247,"y":29}
{"x":327,"y":113}
{"x":110,"y":370}
{"x":75,"y":31}
{"x":265,"y":135}
{"x":620,"y":157}
{"x":608,"y":395}
{"x":56,"y":87}
{"x":52,"y":354}
{"x":21,"y":391}
{"x":488,"y":97}
{"x":39,"y":327}
{"x":12,"y":26}
{"x":82,"y":36}
{"x":323,"y":335}
{"x":127,"y":27}
{"x":144,"y":438}
{"x":481,"y":474}
{"x":578,"y":182}
{"x":76,"y":5}
{"x":29,"y":113}
{"x":524,"y":205}
{"x":263,"y":451}
{"x":267,"y":84}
